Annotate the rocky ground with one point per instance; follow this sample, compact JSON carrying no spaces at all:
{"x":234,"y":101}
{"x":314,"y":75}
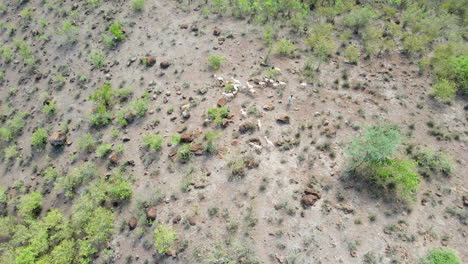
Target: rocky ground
{"x":289,"y":201}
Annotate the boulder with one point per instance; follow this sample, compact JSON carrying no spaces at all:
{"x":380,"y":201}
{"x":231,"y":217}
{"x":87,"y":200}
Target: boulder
{"x":186,"y":138}
{"x":164,"y":64}
{"x":284,"y":119}
{"x":268,"y":107}
{"x":309,"y":198}
{"x":132,"y":223}
{"x":216,"y":31}
{"x":222,"y":102}
{"x":151,"y":213}
{"x":57,"y":139}
{"x":247,"y":126}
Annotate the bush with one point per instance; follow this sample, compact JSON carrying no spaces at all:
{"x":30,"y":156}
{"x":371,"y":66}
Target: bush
{"x":86,"y":143}
{"x":321,"y":40}
{"x":352,"y":54}
{"x":184,"y":152}
{"x":215,"y":61}
{"x":444,"y":90}
{"x":138,"y":5}
{"x":70,"y":31}
{"x":30,"y":204}
{"x":49,"y":108}
{"x":103,"y":96}
{"x":5,"y":134}
{"x":375,"y":145}
{"x":77,"y":176}
{"x":97,"y":58}
{"x":152,"y":142}
{"x":116,"y":30}
{"x":359,"y":17}
{"x":436,"y":161}
{"x":461,"y":72}
{"x":218,"y":113}
{"x":103,"y":149}
{"x":396,"y":175}
{"x":39,"y":138}
{"x":285,"y":47}
{"x":441,"y":256}
{"x":164,"y":238}
{"x":50,"y":174}
{"x":11,"y":152}
{"x":414,"y":44}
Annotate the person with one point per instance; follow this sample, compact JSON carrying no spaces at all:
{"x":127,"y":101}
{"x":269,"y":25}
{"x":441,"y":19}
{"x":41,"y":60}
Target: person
{"x":290,"y":99}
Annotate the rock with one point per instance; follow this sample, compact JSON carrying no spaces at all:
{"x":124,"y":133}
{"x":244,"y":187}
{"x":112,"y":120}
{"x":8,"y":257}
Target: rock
{"x":284,"y":119}
{"x":309,"y":198}
{"x":186,"y":138}
{"x":247,"y":126}
{"x":177,"y":219}
{"x":183,"y":26}
{"x":197,"y":149}
{"x":216,"y":31}
{"x":37,"y":76}
{"x":268,"y":107}
{"x":132,"y":223}
{"x":222,"y":102}
{"x":164,"y":64}
{"x":185,"y":114}
{"x":194,"y":28}
{"x":57,"y":139}
{"x":114,"y":157}
{"x":148,"y":60}
{"x":151,"y":213}
{"x":465,"y":200}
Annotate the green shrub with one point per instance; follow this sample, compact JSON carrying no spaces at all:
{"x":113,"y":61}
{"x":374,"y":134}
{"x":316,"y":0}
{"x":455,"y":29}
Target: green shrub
{"x":17,"y":123}
{"x":49,"y":109}
{"x":6,"y":53}
{"x":285,"y":47}
{"x":70,"y":31}
{"x":441,"y":256}
{"x":375,"y":145}
{"x":152,"y":142}
{"x":461,"y":73}
{"x":78,"y":175}
{"x":414,"y":44}
{"x":50,"y":174}
{"x":138,"y":5}
{"x":103,"y":96}
{"x":39,"y":138}
{"x":352,"y":54}
{"x":435,"y":161}
{"x":359,"y":17}
{"x":444,"y":90}
{"x":164,"y":238}
{"x":97,"y":58}
{"x":321,"y":41}
{"x":103,"y":149}
{"x":86,"y":143}
{"x":218,"y":113}
{"x":215,"y":61}
{"x":175,"y":139}
{"x":116,"y":30}
{"x":30,"y":204}
{"x":5,"y":134}
{"x":396,"y":175}
{"x":11,"y":152}
{"x":184,"y":153}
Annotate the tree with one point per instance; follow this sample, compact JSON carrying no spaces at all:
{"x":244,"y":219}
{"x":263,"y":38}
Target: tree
{"x":375,"y":145}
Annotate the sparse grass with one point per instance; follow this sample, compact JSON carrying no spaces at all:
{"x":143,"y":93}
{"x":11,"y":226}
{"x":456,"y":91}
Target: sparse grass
{"x":49,"y":108}
{"x":86,"y":143}
{"x":218,"y":113}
